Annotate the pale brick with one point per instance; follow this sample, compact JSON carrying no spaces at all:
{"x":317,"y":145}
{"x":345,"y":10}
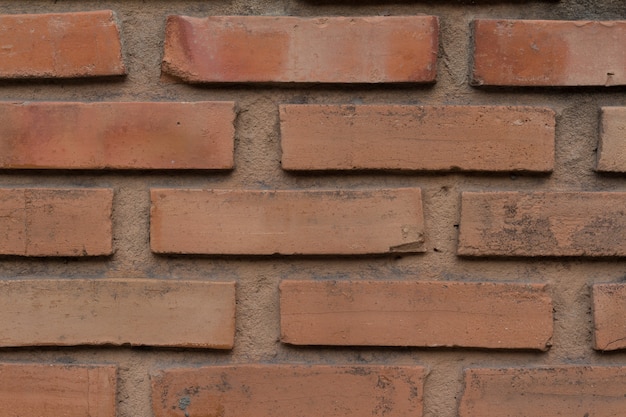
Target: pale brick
{"x":44,"y":312}
{"x":231,"y":222}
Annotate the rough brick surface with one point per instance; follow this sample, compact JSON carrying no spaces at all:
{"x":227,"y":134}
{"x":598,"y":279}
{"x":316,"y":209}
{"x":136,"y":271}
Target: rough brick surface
{"x":35,"y":390}
{"x":55,"y":222}
{"x":549,"y":53}
{"x":302,"y":391}
{"x":543,"y":224}
{"x":358,"y":313}
{"x":164,"y":135}
{"x":609,"y":311}
{"x":468,"y":138}
{"x":66,"y":45}
{"x":286,"y":200}
{"x":116,"y":312}
{"x":612,"y":143}
{"x":292,"y":49}
{"x":286,"y":222}
{"x":547,"y":392}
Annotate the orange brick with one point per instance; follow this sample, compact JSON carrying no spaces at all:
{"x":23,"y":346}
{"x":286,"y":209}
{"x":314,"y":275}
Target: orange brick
{"x":547,"y":392}
{"x":468,"y":138}
{"x":612,"y":145}
{"x":56,"y":222}
{"x":543,"y":224}
{"x":286,"y":222}
{"x":35,"y":390}
{"x":67,"y":45}
{"x":375,"y":313}
{"x":549,"y":53}
{"x":293,"y":49}
{"x":609,"y":312}
{"x":288,"y":390}
{"x":162,"y":135}
{"x":117,"y":312}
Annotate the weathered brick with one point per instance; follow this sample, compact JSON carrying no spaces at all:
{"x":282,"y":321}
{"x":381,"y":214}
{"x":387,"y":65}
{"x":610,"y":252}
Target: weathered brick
{"x":286,"y":222}
{"x":288,"y":390}
{"x":64,"y":45}
{"x":609,"y":312}
{"x":163,"y":135}
{"x":293,"y":49}
{"x":543,"y":224}
{"x":443,"y":138}
{"x":407,"y":313}
{"x":35,"y":390}
{"x":55,"y":222}
{"x":612,"y":144}
{"x":45,"y":312}
{"x":547,"y":392}
{"x":549,"y":53}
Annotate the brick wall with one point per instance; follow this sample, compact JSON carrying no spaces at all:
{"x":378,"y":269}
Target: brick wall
{"x":304,"y":208}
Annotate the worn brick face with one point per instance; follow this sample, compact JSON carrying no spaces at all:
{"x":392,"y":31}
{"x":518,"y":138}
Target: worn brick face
{"x":35,"y":390}
{"x":550,"y":392}
{"x":542,"y":224}
{"x":46,"y":312}
{"x":612,"y":142}
{"x":427,"y":138}
{"x":286,"y":222}
{"x":197,"y":135}
{"x":60,"y":45}
{"x":292,"y":49}
{"x":55,"y":222}
{"x":609,"y":310}
{"x":294,"y":390}
{"x":549,"y":53}
{"x":370,"y":313}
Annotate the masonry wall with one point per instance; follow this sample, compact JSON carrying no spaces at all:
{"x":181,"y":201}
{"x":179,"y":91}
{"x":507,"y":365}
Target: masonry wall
{"x":303,"y":208}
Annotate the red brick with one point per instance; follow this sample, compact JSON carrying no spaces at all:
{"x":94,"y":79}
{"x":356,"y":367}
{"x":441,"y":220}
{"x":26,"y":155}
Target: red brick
{"x":543,"y":224}
{"x":55,"y":222}
{"x":293,"y":49}
{"x":443,"y":138}
{"x":67,"y":45}
{"x":162,"y":135}
{"x":288,"y":390}
{"x":609,"y":312}
{"x":286,"y":222}
{"x":46,"y":312}
{"x":547,"y":392}
{"x":612,"y":145}
{"x":549,"y":53}
{"x":35,"y":390}
{"x":407,"y":313}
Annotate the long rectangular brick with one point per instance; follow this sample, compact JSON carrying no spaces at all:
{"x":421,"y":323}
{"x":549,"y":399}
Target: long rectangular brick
{"x":161,"y":135}
{"x":549,"y":53}
{"x":289,"y":390}
{"x":403,"y":313}
{"x":293,"y":49}
{"x":234,"y":222}
{"x":60,"y":45}
{"x":543,"y":224}
{"x":427,"y":138}
{"x":612,"y":144}
{"x":609,"y":316}
{"x":55,"y":222}
{"x":44,"y":312}
{"x":548,"y":392}
{"x":35,"y":390}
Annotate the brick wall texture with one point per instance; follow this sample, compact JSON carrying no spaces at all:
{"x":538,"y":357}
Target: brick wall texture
{"x":298,"y":208}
